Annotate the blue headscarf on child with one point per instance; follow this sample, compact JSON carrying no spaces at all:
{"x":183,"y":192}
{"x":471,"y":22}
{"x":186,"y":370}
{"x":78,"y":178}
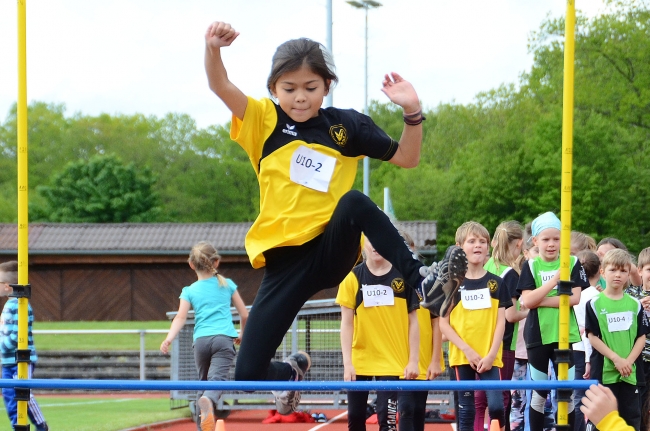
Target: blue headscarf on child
{"x":545,"y":221}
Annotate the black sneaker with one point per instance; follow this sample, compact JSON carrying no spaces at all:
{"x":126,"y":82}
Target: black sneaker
{"x":286,"y":402}
{"x":439,"y":287}
{"x":429,"y":273}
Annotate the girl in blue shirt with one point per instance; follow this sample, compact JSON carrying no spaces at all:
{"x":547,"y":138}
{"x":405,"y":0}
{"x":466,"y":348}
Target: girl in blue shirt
{"x":214,"y":333}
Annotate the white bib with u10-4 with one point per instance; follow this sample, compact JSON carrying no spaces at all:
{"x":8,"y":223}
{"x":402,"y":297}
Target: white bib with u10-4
{"x":312,"y":169}
{"x":375,"y":295}
{"x":620,"y":321}
{"x":547,"y":275}
{"x":476,"y":299}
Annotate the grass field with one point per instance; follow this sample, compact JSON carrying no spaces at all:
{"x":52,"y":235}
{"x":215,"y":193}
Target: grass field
{"x":98,"y":342}
{"x":90,"y":413}
{"x":48,"y":342}
{"x":111,"y":414}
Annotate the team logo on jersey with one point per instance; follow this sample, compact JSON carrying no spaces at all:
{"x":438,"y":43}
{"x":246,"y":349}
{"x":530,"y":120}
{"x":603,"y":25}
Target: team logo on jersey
{"x":492,"y":285}
{"x":289,"y":130}
{"x":339,"y":135}
{"x":397,"y":285}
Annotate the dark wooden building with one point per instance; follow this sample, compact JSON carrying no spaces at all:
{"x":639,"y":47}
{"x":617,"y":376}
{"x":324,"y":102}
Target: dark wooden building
{"x":136,"y":271}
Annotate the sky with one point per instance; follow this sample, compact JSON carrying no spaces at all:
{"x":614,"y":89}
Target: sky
{"x":146,"y":56}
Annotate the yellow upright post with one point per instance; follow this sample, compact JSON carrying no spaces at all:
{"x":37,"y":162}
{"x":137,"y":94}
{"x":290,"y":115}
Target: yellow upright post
{"x":565,"y":238}
{"x":22,"y":290}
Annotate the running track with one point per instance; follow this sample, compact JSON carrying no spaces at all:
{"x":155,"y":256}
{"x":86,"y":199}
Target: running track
{"x":241,"y":420}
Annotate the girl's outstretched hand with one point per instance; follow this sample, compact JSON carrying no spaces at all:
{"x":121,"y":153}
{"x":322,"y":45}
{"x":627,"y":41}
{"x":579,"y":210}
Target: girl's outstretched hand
{"x":164,"y":346}
{"x":401,"y":92}
{"x":220,"y":34}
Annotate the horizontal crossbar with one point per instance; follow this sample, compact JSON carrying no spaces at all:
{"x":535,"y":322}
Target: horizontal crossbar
{"x":395,"y":385}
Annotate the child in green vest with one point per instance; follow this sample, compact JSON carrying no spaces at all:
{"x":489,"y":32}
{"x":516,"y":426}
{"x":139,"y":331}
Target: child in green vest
{"x":538,"y":286}
{"x":616,"y":329}
{"x":642,"y":293}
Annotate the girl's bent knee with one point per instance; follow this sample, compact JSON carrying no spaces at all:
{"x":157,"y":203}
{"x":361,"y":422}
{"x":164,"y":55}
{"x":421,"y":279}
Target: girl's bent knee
{"x":354,"y":200}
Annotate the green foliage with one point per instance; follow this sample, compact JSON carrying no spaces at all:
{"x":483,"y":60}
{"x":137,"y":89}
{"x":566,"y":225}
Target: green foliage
{"x":100,"y":190}
{"x":201,"y":175}
{"x":500,"y":157}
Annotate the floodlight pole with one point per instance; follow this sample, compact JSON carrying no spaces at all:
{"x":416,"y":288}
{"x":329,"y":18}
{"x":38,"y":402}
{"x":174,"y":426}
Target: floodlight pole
{"x":365,"y":5}
{"x":330,"y":96}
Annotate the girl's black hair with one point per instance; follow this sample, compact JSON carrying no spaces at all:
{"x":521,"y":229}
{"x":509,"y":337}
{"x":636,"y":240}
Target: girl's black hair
{"x":296,"y":53}
{"x":616,"y":243}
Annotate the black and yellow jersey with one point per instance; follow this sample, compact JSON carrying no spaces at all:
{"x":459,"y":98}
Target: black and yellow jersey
{"x":380,"y":344}
{"x":474,"y":318}
{"x":303,"y":169}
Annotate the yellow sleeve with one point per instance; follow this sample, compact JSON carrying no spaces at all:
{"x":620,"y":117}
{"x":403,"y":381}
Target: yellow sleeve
{"x":613,"y":422}
{"x":250,"y":133}
{"x":347,"y":294}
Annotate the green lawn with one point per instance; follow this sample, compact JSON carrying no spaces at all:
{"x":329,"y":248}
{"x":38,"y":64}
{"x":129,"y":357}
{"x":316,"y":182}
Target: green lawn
{"x":101,"y":414}
{"x":98,"y":341}
{"x":45,"y":342}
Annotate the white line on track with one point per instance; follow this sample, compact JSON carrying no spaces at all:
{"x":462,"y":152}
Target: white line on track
{"x":84,"y":403}
{"x":317,"y":427}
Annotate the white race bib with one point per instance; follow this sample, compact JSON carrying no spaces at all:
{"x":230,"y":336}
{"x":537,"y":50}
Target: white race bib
{"x":311,"y":169}
{"x":375,"y":295}
{"x":619,"y":321}
{"x":547,"y":275}
{"x":476,"y":299}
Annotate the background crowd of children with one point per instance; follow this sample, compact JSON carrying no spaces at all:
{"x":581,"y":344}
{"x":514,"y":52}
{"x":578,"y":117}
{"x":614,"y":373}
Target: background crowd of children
{"x":503,"y":325}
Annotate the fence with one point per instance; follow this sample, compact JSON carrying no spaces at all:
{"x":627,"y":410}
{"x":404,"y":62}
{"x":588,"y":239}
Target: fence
{"x":315,"y":330}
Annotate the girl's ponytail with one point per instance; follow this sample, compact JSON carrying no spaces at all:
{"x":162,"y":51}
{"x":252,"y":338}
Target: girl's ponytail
{"x":505,"y":234}
{"x":220,"y":278}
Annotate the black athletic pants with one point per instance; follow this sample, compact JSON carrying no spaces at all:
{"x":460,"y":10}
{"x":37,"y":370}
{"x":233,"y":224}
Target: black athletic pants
{"x":294,"y":274}
{"x":412,"y":407}
{"x":386,"y":407}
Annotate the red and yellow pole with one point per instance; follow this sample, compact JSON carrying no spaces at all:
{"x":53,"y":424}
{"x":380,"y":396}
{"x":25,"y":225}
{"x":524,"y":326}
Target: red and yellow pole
{"x":23,"y":367}
{"x":567,"y":171}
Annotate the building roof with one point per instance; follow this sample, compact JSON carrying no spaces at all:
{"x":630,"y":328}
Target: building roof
{"x":156,"y":238}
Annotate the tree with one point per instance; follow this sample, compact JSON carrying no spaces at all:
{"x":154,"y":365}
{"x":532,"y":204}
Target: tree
{"x":100,"y":190}
{"x":499,"y":157}
{"x":202,"y":175}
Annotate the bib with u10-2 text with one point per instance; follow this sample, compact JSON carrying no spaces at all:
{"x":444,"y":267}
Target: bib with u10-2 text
{"x":375,"y":295}
{"x":311,"y":168}
{"x":476,"y":299}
